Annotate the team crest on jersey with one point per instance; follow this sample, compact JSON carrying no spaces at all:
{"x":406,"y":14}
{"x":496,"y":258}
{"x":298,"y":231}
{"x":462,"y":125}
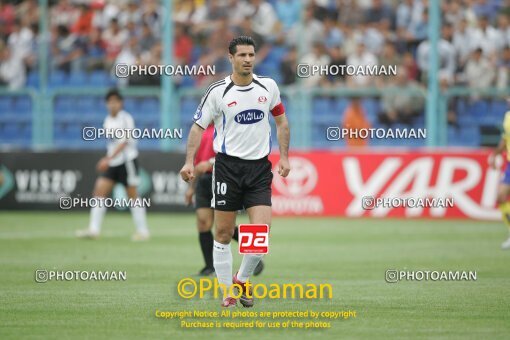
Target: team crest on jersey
{"x":262,"y":99}
{"x":249,"y":116}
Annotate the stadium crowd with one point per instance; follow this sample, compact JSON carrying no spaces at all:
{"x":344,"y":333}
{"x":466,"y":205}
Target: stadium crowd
{"x":94,"y":35}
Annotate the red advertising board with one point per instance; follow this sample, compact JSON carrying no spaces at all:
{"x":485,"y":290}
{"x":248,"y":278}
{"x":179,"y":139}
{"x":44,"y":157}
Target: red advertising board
{"x":336,"y":183}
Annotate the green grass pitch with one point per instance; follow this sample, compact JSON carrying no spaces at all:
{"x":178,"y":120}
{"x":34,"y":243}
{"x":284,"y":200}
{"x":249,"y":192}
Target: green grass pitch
{"x":352,"y":255}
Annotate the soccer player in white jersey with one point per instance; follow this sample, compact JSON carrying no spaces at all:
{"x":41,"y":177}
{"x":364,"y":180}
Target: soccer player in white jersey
{"x":118,"y":166}
{"x":240,"y":107}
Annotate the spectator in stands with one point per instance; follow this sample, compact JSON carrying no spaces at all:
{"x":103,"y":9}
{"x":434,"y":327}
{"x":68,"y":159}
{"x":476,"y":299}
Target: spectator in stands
{"x":94,"y":56}
{"x":361,"y":57}
{"x":333,"y":36}
{"x":307,"y":33}
{"x":114,"y":39}
{"x":21,"y":39}
{"x":189,"y":12}
{"x":398,"y":107}
{"x":66,"y":51}
{"x":372,"y":38}
{"x":453,"y":13}
{"x":264,"y":19}
{"x":131,"y":13}
{"x":412,"y":70}
{"x":29,"y":11}
{"x":147,"y":38}
{"x":378,"y":12}
{"x":485,"y":8}
{"x":288,"y":13}
{"x":388,"y":57}
{"x":288,"y":66}
{"x":487,"y":38}
{"x":462,"y":43}
{"x":352,"y":35}
{"x":215,"y":13}
{"x":263,"y":46}
{"x":214,"y":53}
{"x":63,"y":14}
{"x":354,"y":120}
{"x":384,"y":27}
{"x":479,"y":73}
{"x":7,"y":17}
{"x":350,"y":13}
{"x":318,"y":56}
{"x":337,"y":58}
{"x":504,"y":29}
{"x":99,"y":20}
{"x":503,"y":69}
{"x":110,"y":11}
{"x":130,"y":53}
{"x":83,"y":24}
{"x":446,"y":51}
{"x":12,"y":69}
{"x":417,"y":30}
{"x":152,"y":57}
{"x":403,"y":14}
{"x":183,"y":45}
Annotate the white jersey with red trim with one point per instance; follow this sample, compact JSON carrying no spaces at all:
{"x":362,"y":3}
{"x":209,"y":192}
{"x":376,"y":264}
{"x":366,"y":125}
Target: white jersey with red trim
{"x":241,"y":116}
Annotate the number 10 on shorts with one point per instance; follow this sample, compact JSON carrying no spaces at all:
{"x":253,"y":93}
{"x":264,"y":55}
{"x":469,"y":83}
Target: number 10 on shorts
{"x":253,"y":239}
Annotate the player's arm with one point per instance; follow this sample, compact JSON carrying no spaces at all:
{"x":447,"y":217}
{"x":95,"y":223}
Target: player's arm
{"x":283,"y":135}
{"x":497,"y":151}
{"x":194,"y":138}
{"x":202,"y":118}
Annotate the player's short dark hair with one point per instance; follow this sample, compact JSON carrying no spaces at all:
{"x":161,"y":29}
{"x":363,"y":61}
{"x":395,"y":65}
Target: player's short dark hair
{"x":112,"y":93}
{"x":242,"y":40}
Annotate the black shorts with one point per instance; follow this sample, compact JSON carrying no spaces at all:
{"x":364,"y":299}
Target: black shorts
{"x":126,"y":173}
{"x":203,"y":191}
{"x":239,"y":183}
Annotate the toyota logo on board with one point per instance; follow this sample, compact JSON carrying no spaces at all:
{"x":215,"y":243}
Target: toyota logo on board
{"x":301,"y":180}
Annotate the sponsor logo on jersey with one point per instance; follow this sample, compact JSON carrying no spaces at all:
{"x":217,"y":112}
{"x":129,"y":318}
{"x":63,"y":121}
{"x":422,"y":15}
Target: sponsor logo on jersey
{"x":249,"y":116}
{"x":262,"y":99}
{"x":234,"y":103}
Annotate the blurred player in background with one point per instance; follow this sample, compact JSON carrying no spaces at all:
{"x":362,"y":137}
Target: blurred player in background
{"x":201,"y":187}
{"x":120,"y":165}
{"x":504,"y":186}
{"x":240,"y":105}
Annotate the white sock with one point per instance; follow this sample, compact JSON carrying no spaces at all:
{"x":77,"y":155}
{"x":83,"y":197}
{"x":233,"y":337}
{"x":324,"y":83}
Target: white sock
{"x":222,"y":260}
{"x":96,"y":218}
{"x":140,"y":219}
{"x":250,"y":261}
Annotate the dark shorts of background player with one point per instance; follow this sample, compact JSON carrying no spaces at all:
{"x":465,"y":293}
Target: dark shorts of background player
{"x":239,"y":183}
{"x":126,"y":173}
{"x":203,"y":191}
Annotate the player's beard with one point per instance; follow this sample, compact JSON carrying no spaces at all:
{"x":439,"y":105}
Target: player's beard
{"x":243,"y":72}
